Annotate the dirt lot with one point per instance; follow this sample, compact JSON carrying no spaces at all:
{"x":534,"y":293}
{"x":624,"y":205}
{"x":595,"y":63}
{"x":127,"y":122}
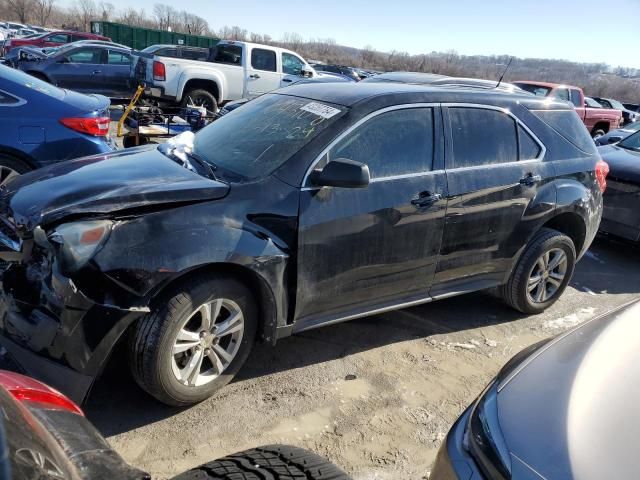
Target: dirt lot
{"x":375,"y":395}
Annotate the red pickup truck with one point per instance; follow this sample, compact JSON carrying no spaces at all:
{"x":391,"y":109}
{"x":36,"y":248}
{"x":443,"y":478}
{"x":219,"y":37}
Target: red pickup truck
{"x":598,"y":120}
{"x":51,"y":39}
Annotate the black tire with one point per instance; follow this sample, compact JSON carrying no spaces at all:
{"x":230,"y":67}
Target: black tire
{"x":273,"y":462}
{"x":514,"y":292}
{"x":199,"y":96}
{"x":39,"y":76}
{"x":154,"y":336}
{"x":597,"y":133}
{"x":9,"y":164}
{"x":129,"y":141}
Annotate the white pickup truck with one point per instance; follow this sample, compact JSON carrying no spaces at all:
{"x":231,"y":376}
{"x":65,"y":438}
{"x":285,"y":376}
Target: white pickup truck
{"x":233,"y":71}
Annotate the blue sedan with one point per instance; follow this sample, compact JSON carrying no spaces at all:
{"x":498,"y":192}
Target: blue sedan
{"x":85,"y":67}
{"x":44,"y":124}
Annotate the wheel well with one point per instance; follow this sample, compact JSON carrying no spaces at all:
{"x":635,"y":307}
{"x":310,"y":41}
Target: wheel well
{"x":572,"y":225}
{"x":208,"y":85}
{"x":39,"y":75}
{"x":265,"y":300}
{"x":600,"y":125}
{"x":16,"y":154}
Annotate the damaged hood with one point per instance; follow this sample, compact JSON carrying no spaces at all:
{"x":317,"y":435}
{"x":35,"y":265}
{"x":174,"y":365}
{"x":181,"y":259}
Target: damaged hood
{"x":127,"y":180}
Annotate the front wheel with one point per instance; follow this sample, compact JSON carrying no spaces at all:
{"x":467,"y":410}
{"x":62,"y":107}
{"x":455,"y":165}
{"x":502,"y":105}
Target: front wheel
{"x":11,"y":167}
{"x":542,"y":273}
{"x":598,"y":133}
{"x":195,"y":340}
{"x":275,"y":462}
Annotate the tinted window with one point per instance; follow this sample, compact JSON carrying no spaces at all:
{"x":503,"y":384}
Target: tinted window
{"x":195,"y":54}
{"x":58,"y":38}
{"x":291,"y":65}
{"x":263,"y":59}
{"x":591,"y":103}
{"x":576,"y":98}
{"x":393,"y":143}
{"x":632,"y":142}
{"x":561,"y":94}
{"x":167,"y":52}
{"x":568,"y":125}
{"x":228,"y":54}
{"x":537,"y":90}
{"x":254,"y":140}
{"x":529,"y":149}
{"x":118,"y":58}
{"x":85,"y":55}
{"x":482,"y":137}
{"x":604,"y":103}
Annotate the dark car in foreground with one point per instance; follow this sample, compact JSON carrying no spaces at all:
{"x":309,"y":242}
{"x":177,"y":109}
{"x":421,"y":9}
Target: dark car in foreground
{"x":45,"y":436}
{"x":621,"y":216}
{"x":564,"y":408}
{"x":43,"y":124}
{"x":308,"y":206}
{"x":614,"y":136}
{"x":84,"y":67}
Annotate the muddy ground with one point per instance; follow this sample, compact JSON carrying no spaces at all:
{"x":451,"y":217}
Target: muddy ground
{"x":375,"y":395}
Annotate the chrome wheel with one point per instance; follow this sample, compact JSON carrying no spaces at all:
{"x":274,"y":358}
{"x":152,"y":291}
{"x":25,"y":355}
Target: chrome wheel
{"x":7,"y":174}
{"x":547,"y":275}
{"x":207,"y":342}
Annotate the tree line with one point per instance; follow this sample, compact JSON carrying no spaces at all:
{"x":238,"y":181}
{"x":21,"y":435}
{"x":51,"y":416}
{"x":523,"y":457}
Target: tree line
{"x":597,"y":79}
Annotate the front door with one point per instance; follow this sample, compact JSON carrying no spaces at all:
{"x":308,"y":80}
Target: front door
{"x":116,"y":74}
{"x":262,"y":72}
{"x":361,"y":249}
{"x":494,"y":171}
{"x":80,"y":70}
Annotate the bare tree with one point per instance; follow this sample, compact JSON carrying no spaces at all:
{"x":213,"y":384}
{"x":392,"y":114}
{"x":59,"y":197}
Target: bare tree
{"x":42,"y":10}
{"x":86,"y":10}
{"x":107,"y":9}
{"x":20,"y":8}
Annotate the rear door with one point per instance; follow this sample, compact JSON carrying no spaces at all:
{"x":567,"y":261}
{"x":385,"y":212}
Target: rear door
{"x":262,"y":72}
{"x":494,"y":171}
{"x":367,"y":247}
{"x":116,"y":73}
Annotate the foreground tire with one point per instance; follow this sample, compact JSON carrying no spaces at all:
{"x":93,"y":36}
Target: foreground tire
{"x":194,"y":340}
{"x":200,"y":98}
{"x":598,"y":133}
{"x":273,"y":462}
{"x":11,"y":167}
{"x":542,"y":273}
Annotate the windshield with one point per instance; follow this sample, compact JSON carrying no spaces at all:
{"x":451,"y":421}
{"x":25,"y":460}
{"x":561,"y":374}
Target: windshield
{"x":538,"y":90}
{"x":256,"y":139}
{"x":632,"y":142}
{"x":634,"y":127}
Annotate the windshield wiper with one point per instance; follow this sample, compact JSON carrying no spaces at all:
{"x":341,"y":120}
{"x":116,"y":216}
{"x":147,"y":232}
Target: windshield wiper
{"x":209,"y":168}
{"x":184,"y":157}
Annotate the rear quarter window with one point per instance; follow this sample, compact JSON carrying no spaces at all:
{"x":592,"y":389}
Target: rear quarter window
{"x":568,"y":125}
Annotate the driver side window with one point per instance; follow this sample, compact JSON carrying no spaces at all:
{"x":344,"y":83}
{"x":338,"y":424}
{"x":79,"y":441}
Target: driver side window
{"x":398,"y":142}
{"x":291,"y":65}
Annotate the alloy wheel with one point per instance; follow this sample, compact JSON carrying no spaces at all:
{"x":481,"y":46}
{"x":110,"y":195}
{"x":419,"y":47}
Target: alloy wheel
{"x":547,"y":275}
{"x":207,"y":342}
{"x":7,"y":174}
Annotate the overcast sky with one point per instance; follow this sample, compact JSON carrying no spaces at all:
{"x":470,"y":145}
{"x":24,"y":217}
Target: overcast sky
{"x":578,"y":30}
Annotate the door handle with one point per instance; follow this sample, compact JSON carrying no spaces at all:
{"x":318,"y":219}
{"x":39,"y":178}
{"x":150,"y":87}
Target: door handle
{"x":530,"y":180}
{"x":288,"y":80}
{"x":254,"y":75}
{"x":426,"y":199}
{"x":96,"y":72}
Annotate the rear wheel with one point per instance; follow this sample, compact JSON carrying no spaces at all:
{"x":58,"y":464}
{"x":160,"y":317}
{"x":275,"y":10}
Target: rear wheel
{"x":200,"y":98}
{"x":273,"y":462}
{"x":542,"y":273}
{"x":195,"y":340}
{"x":597,"y":133}
{"x":11,"y":167}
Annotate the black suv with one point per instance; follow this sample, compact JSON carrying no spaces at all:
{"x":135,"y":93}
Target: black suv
{"x":306,"y":207}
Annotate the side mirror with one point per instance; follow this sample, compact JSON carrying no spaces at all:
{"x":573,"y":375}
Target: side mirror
{"x":306,"y":71}
{"x":614,"y":139}
{"x":342,"y":173}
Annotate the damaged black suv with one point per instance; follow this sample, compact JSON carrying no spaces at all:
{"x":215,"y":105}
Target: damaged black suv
{"x":306,"y":207}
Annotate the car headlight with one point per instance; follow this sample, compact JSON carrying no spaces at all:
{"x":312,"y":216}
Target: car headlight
{"x":484,"y":438}
{"x":79,"y":242}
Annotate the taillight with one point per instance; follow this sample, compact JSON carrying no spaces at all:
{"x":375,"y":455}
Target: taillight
{"x":30,"y":391}
{"x":159,"y":72}
{"x":602,"y":170}
{"x":96,"y":126}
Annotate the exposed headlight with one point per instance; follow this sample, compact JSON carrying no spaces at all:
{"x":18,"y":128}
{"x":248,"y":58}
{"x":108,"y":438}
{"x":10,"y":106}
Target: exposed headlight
{"x":484,"y":437}
{"x":79,"y":242}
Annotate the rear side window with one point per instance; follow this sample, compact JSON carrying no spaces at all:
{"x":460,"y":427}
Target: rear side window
{"x":200,"y":55}
{"x":576,"y":98}
{"x":167,"y":52}
{"x":529,"y":149}
{"x":231,"y":54}
{"x":118,"y":58}
{"x":399,"y":142}
{"x":263,"y":59}
{"x":568,"y":125}
{"x":482,"y":137}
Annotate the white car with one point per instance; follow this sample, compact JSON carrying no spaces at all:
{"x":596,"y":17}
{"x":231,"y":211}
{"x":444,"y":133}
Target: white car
{"x":234,"y":70}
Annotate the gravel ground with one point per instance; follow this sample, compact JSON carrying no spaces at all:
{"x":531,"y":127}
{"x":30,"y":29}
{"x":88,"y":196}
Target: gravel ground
{"x":375,"y":395}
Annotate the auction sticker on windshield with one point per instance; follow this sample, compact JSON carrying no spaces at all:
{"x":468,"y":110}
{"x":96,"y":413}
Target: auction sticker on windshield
{"x":324,"y":111}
